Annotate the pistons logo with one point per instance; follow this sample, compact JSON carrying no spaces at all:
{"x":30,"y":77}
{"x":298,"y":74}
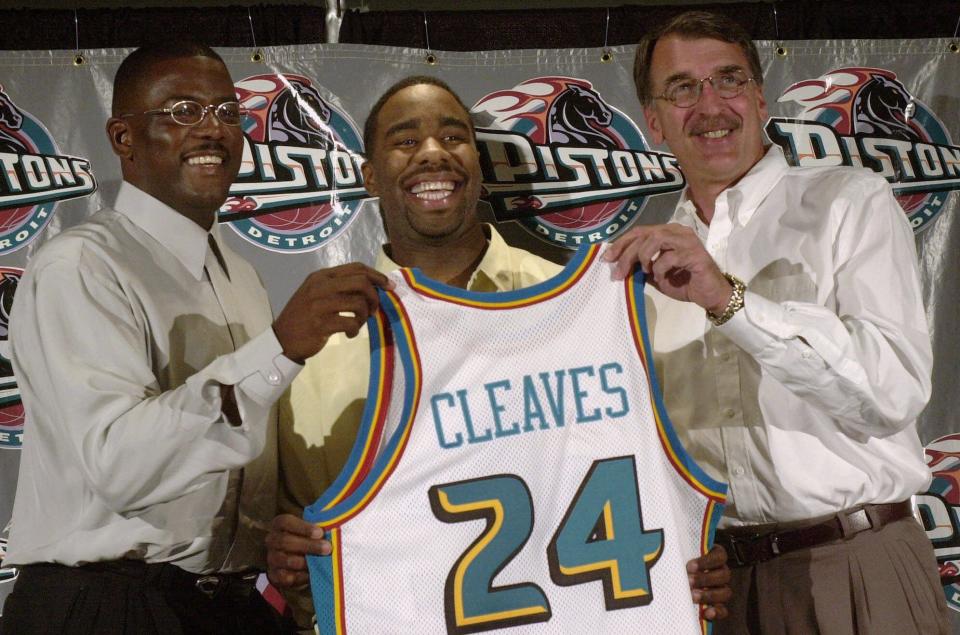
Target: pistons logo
{"x":11,"y":409}
{"x":7,"y":574}
{"x":940,"y":511}
{"x":35,"y":176}
{"x":300,"y":183}
{"x":865,"y":117}
{"x":569,"y":167}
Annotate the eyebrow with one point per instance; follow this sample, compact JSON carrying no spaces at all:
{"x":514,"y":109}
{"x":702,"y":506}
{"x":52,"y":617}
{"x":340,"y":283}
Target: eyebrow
{"x":414,"y":123}
{"x":729,"y":68}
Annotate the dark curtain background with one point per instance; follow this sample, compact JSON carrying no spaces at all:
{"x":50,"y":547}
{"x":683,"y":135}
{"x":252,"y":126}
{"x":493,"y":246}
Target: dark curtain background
{"x":466,"y":30}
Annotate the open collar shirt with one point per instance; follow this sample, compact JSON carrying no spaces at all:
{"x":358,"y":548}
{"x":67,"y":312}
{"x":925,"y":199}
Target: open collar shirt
{"x":806,"y":401}
{"x":123,"y":330}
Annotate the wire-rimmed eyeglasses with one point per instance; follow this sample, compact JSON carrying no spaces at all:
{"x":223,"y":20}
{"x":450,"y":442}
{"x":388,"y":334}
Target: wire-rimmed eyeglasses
{"x":190,"y":113}
{"x":685,"y":93}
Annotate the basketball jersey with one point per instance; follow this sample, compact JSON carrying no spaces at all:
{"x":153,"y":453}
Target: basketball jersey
{"x":515,"y":470}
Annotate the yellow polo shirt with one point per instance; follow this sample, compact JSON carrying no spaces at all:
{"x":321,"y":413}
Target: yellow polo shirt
{"x":327,"y":397}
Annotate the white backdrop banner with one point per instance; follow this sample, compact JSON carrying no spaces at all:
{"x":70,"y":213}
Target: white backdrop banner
{"x":566,"y":158}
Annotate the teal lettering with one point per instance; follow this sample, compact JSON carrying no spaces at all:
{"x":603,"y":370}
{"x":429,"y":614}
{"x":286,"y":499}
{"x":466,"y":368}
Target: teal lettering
{"x":468,"y":421}
{"x":496,"y":408}
{"x":579,"y":395}
{"x":614,"y":390}
{"x":531,"y":406}
{"x":555,"y":399}
{"x":434,"y":401}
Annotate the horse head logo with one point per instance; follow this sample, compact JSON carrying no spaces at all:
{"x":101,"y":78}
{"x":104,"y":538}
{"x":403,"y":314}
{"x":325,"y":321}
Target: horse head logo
{"x":577,"y":116}
{"x":8,"y":287}
{"x":11,"y":119}
{"x":299,"y":115}
{"x":883,"y":107}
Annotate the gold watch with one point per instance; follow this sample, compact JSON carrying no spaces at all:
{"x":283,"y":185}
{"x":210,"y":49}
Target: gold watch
{"x":735,"y":303}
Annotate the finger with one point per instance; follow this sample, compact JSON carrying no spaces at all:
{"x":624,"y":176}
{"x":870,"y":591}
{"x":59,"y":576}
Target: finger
{"x":713,"y":559}
{"x":714,"y":578}
{"x":288,"y":523}
{"x":349,"y":325}
{"x":713,"y":612}
{"x":617,"y":247}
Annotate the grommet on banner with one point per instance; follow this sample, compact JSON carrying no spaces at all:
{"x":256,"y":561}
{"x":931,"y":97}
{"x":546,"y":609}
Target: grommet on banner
{"x":780,"y":49}
{"x":431,"y":58}
{"x":79,"y":59}
{"x":257,"y":56}
{"x":954,"y":46}
{"x":606,"y":56}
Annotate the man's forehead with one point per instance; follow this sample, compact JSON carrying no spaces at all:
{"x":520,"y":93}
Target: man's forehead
{"x":190,"y":74}
{"x":676,"y":53}
{"x":422,"y":103}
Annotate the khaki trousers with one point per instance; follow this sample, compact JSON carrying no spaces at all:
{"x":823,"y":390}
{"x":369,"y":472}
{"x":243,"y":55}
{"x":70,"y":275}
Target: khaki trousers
{"x":876,"y":583}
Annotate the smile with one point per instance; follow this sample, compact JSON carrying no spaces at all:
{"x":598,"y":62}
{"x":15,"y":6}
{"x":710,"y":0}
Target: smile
{"x":206,"y":159}
{"x":716,"y":134}
{"x":433,"y":190}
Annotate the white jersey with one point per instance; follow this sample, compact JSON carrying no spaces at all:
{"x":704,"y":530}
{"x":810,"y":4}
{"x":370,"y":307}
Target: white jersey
{"x":515,"y":471}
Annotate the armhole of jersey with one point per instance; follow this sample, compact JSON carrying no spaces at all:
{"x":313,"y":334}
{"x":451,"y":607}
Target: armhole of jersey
{"x":372,"y":459}
{"x":682,"y":462}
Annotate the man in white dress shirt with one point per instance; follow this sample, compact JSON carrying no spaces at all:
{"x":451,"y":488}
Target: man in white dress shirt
{"x":791,"y":342}
{"x":149,"y":369}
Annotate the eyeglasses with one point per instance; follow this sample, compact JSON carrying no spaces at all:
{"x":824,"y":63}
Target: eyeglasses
{"x":190,"y":113}
{"x":685,"y":93}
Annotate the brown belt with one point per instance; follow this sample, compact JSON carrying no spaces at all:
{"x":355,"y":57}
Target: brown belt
{"x":746,"y":546}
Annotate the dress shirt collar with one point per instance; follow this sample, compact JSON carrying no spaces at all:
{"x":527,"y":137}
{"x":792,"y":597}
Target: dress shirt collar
{"x":745,"y":196}
{"x":178,"y":234}
{"x":496,"y":266}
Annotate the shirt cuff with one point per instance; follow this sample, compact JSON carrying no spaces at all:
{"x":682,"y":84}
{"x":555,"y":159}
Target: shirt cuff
{"x":270,"y":372}
{"x":758,"y":325}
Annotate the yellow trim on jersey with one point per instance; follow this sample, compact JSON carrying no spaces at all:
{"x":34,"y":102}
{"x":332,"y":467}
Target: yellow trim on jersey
{"x":371,"y":442}
{"x":470,"y":555}
{"x":415,"y":380}
{"x":675,"y":459}
{"x":504,"y":299}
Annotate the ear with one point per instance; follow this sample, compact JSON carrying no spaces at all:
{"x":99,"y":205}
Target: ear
{"x":119,"y":134}
{"x":369,"y":181}
{"x":761,"y":105}
{"x":653,"y":123}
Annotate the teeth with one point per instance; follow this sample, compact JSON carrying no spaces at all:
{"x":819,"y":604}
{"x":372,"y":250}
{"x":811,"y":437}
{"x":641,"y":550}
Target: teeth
{"x":205,"y":160}
{"x":433,"y":190}
{"x":716,"y":134}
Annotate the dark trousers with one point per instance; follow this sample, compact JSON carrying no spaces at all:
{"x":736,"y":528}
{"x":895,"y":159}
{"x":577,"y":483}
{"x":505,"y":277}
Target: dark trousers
{"x":133,"y":598}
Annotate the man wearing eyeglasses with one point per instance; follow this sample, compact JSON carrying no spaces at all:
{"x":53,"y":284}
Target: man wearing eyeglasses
{"x":148,"y":368}
{"x":793,"y":351}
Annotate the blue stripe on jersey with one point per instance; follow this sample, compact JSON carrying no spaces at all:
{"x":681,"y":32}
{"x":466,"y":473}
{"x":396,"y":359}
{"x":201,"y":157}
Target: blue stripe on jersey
{"x":716,"y":490}
{"x":571,"y":272}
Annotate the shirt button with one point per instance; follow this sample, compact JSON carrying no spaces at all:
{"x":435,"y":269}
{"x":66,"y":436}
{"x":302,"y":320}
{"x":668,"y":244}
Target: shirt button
{"x":273,"y":378}
{"x":726,"y":357}
{"x":729,"y":413}
{"x":737,"y":471}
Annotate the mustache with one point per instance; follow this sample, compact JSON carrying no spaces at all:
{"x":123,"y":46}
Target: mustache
{"x":714,"y":122}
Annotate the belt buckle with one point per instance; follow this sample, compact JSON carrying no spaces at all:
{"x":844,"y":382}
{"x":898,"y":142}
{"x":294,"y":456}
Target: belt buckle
{"x":209,"y":585}
{"x":736,"y":544}
{"x":739,"y":544}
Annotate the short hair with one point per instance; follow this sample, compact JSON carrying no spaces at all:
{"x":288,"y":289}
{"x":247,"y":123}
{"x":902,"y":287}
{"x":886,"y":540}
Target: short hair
{"x":370,"y":125}
{"x":692,"y":25}
{"x":134,"y":68}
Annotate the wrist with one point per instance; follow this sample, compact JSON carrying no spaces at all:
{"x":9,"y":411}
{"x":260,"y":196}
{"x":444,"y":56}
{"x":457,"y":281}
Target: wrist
{"x":734,"y":304}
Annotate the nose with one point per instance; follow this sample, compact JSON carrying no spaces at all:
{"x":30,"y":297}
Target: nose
{"x":710,"y":99}
{"x":432,"y":150}
{"x":209,"y":123}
